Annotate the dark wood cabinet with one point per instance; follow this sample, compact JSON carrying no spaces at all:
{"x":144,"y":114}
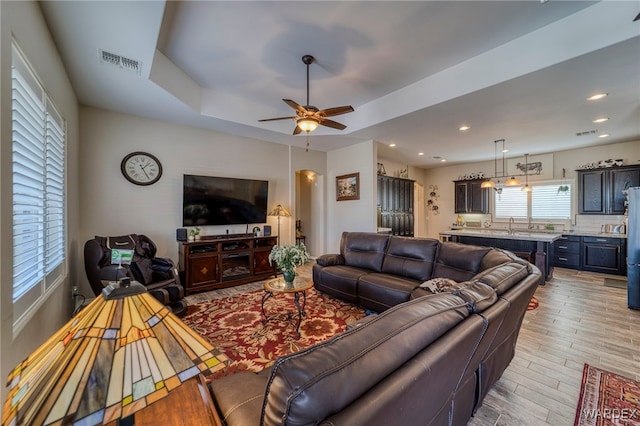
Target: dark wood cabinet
{"x":395,"y":204}
{"x":566,"y":252}
{"x":217,"y":262}
{"x":600,"y":190}
{"x":620,"y":180}
{"x":586,"y":253}
{"x":600,"y":254}
{"x":470,"y":197}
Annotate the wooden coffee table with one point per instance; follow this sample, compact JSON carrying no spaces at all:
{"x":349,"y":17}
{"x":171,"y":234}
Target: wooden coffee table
{"x":279,"y":286}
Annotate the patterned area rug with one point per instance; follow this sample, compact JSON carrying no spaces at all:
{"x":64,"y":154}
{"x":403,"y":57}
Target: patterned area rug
{"x":607,"y":399}
{"x":235,"y":326}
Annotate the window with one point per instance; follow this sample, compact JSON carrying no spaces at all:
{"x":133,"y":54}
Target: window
{"x":546,"y":202}
{"x":38,"y":173}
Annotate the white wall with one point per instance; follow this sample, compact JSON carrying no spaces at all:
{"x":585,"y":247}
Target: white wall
{"x":112,"y":206}
{"x":351,"y":215}
{"x":24,"y":21}
{"x":443,"y":177}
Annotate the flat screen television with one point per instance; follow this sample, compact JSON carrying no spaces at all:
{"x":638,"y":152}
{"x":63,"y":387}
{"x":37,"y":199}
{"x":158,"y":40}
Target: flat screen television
{"x":210,"y":200}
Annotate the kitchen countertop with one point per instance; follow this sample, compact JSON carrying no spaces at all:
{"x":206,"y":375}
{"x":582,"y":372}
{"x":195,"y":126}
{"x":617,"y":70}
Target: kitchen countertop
{"x":594,"y":234}
{"x":504,"y":234}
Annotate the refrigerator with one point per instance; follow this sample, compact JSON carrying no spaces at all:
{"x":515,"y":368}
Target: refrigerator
{"x":633,"y":249}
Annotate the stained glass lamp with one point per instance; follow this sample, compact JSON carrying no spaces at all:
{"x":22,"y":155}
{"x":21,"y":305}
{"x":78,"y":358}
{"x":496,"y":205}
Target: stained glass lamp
{"x":121,"y":353}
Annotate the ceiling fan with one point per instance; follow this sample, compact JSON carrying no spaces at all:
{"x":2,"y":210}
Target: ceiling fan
{"x":308,"y":117}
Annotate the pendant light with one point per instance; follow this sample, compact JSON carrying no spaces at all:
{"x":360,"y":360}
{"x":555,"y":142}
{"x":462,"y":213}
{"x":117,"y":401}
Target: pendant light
{"x":526,"y":187}
{"x":512,"y":181}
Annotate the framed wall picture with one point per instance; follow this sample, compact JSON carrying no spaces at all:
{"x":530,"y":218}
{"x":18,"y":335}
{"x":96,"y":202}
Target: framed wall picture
{"x":348,"y":187}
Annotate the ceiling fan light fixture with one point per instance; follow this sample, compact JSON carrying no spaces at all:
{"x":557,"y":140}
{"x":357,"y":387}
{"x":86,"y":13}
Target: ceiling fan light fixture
{"x":308,"y":124}
{"x":488,"y":184}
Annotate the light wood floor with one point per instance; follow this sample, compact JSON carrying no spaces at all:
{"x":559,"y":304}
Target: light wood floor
{"x":579,"y":321}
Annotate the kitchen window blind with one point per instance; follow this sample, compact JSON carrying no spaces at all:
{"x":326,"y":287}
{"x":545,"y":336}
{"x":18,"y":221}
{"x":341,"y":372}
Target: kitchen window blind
{"x":544,"y":203}
{"x":38,"y":181}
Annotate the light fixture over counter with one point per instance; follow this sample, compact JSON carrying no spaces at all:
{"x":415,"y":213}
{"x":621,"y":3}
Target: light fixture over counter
{"x":512,"y":181}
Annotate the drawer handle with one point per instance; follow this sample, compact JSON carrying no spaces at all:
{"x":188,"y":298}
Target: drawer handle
{"x":563,"y":258}
{"x":563,"y":247}
{"x":601,"y":240}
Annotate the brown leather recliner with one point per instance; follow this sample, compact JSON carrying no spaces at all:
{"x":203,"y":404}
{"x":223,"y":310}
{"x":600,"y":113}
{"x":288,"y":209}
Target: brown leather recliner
{"x":158,"y":274}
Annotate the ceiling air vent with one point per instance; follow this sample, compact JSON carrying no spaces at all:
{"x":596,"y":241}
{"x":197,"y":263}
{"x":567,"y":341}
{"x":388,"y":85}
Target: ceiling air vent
{"x":588,"y":132}
{"x":109,"y":58}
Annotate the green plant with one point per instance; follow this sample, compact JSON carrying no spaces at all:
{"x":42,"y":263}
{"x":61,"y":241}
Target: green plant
{"x":288,"y":257}
{"x":563,"y":188}
{"x":194,"y":231}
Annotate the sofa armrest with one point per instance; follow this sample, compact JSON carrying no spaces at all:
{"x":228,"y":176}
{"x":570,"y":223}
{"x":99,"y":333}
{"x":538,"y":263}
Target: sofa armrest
{"x":330,"y":260}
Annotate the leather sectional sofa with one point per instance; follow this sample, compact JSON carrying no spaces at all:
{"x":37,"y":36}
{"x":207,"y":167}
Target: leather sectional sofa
{"x":426,"y":359}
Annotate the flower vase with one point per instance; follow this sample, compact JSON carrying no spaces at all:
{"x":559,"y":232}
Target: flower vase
{"x":289,"y":275}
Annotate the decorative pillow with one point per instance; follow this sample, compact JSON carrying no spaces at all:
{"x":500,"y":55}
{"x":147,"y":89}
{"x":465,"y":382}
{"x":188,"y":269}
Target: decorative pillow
{"x":439,"y":285}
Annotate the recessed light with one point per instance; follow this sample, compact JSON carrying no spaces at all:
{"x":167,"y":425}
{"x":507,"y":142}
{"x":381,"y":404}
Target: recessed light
{"x":604,"y":135}
{"x":442,"y":160}
{"x":421,"y":153}
{"x":392,"y":145}
{"x":463,"y":128}
{"x":597,"y":96}
{"x":600,"y":120}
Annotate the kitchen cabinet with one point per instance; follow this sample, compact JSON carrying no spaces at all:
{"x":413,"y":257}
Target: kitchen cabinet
{"x":470,"y":197}
{"x":603,"y":254}
{"x":566,"y":252}
{"x":395,"y":204}
{"x":591,"y":253}
{"x":600,"y":190}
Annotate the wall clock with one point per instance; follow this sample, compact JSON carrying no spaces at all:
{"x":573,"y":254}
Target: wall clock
{"x":141,"y":168}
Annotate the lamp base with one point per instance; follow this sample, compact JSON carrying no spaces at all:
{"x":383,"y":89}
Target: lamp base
{"x":116,"y":291}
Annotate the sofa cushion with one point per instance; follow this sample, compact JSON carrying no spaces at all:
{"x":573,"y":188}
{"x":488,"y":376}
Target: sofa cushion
{"x":340,"y":281}
{"x":364,"y":249}
{"x":503,"y":277}
{"x":478,"y":296}
{"x":300,"y":395}
{"x":459,"y":262}
{"x":330,"y":260}
{"x":379,"y":292}
{"x":239,"y":397}
{"x":498,"y":256}
{"x":410,"y":257}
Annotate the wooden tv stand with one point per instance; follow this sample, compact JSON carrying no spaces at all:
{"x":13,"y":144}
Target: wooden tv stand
{"x":224,"y":261}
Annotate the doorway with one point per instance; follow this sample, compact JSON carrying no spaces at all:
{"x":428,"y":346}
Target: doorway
{"x":310,"y":211}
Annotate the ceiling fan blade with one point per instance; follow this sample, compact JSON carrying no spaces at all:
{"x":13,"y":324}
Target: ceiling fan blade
{"x":295,"y":106}
{"x":332,"y":124}
{"x":330,"y":112}
{"x":279,"y":118}
{"x":297,"y":130}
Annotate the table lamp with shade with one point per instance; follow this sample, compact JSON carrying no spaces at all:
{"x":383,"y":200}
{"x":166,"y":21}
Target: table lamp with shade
{"x":279,"y":211}
{"x":121,"y":353}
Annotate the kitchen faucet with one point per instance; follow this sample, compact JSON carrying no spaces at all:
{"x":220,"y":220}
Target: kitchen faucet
{"x":530,"y":226}
{"x":511,"y":220}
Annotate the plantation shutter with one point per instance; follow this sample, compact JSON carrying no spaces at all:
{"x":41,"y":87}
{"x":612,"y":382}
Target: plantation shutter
{"x":38,"y":172}
{"x":28,"y":125}
{"x":548,"y":203}
{"x":512,"y":202}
